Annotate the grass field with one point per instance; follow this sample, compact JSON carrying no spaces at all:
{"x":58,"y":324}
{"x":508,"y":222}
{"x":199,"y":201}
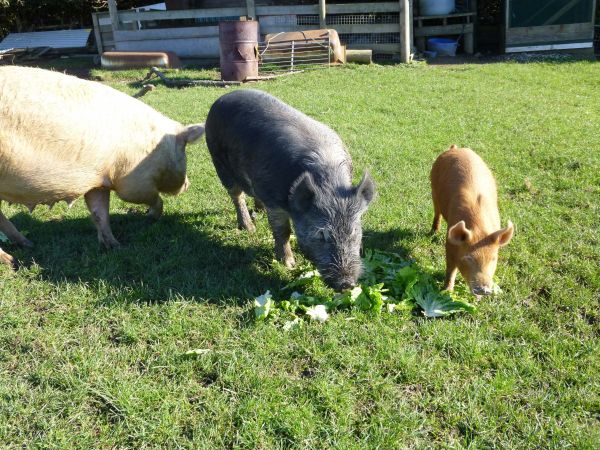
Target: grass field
{"x":92,"y":342}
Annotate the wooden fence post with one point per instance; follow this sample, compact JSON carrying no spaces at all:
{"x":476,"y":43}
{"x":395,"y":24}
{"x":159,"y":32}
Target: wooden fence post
{"x":114,"y":15}
{"x":322,"y":14}
{"x":97,"y":33}
{"x":405,"y":27}
{"x":251,"y":9}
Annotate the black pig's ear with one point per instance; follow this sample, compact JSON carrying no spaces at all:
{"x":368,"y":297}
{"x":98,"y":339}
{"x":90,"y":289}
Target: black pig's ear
{"x":303,"y":192}
{"x":365,"y":190}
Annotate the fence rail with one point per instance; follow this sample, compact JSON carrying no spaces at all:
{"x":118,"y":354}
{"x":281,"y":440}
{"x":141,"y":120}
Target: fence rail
{"x":198,"y":36}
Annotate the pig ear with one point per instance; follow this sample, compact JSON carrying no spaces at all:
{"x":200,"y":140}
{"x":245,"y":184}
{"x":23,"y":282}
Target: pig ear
{"x":459,"y":234}
{"x":365,"y":190}
{"x":302,"y":193}
{"x":191,"y":133}
{"x":504,"y":235}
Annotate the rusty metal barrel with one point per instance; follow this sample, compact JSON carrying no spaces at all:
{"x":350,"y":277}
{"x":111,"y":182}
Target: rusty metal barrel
{"x":238,"y":42}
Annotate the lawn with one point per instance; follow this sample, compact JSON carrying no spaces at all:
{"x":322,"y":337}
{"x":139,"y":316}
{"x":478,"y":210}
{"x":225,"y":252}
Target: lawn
{"x":92,"y":342}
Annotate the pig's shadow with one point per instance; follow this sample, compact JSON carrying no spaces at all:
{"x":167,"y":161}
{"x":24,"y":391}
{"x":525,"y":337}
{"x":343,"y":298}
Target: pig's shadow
{"x":176,"y":256}
{"x":394,"y":240}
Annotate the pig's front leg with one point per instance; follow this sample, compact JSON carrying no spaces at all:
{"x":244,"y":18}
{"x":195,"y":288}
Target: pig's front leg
{"x":279,"y":221}
{"x":12,"y":233}
{"x":5,"y":258}
{"x":156,"y":209}
{"x":97,"y":201}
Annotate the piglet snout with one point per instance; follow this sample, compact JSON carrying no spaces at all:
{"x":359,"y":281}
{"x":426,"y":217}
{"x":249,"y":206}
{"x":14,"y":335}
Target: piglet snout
{"x":482,"y":290}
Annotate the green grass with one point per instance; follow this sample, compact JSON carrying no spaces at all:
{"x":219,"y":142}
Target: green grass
{"x":92,"y":342}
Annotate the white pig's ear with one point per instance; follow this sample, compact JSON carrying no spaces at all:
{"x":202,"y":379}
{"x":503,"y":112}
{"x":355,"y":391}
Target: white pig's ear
{"x":302,"y":193}
{"x":459,"y":233}
{"x":504,"y":235}
{"x":191,"y":133}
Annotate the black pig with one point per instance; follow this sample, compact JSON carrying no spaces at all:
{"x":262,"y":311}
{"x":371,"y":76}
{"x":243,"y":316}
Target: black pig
{"x":297,"y":168}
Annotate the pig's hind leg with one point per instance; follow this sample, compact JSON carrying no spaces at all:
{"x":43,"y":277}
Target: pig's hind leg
{"x":243,"y":216}
{"x":279,"y":221}
{"x":97,"y":201}
{"x":437,"y":218}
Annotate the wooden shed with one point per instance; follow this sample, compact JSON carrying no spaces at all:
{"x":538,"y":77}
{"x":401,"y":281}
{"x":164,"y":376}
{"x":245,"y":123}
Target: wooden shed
{"x":190,"y":27}
{"x":533,"y":25}
{"x":391,"y":29}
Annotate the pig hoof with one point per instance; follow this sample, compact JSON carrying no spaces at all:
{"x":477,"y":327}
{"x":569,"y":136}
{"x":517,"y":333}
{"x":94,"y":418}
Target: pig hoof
{"x":289,"y":262}
{"x":249,"y":227}
{"x":7,"y":259}
{"x":111,"y":244}
{"x":154,"y":214}
{"x":26,"y":243}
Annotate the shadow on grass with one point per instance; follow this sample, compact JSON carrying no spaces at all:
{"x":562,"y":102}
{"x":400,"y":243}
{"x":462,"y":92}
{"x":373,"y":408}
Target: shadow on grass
{"x":394,"y":240}
{"x":179,"y":255}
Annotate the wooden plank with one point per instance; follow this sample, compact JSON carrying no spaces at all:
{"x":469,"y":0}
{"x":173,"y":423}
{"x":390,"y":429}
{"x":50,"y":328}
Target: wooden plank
{"x":267,"y":29}
{"x":182,"y":14}
{"x":285,"y":10}
{"x":166,"y":33}
{"x":322,"y":14}
{"x":362,"y":8}
{"x":251,"y":11}
{"x":549,"y":33}
{"x":447,"y":16}
{"x":97,"y":34}
{"x":367,"y":28}
{"x":377,"y":48}
{"x":114,"y":14}
{"x":441,"y":30}
{"x":405,"y":22}
{"x":206,"y":47}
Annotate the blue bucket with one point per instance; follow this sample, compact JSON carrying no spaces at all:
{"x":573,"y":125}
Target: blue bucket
{"x":443,"y":46}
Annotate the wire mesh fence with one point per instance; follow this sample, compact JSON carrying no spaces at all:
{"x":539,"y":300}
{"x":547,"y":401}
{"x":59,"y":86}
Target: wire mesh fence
{"x":279,"y":56}
{"x":349,"y":19}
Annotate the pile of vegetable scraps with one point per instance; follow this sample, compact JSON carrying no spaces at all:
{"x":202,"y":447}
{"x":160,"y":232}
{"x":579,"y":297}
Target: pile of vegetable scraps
{"x":389,"y":284}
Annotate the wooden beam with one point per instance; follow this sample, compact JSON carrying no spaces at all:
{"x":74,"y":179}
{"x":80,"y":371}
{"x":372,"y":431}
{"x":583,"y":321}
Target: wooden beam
{"x":349,"y":8}
{"x":97,"y":33}
{"x":405,"y":25}
{"x":251,"y":10}
{"x":114,"y":14}
{"x":322,"y":14}
{"x":444,"y":30}
{"x":367,"y":28}
{"x":182,"y":14}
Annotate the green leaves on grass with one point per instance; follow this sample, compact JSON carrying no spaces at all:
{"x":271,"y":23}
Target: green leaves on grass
{"x":390,"y":283}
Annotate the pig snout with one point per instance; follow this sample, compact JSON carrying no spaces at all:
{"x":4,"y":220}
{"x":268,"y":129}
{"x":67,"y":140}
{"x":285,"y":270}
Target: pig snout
{"x":482,"y":290}
{"x":341,"y":284}
{"x":342,"y":278}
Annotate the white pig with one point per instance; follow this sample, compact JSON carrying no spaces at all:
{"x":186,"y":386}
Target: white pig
{"x":62,"y":137}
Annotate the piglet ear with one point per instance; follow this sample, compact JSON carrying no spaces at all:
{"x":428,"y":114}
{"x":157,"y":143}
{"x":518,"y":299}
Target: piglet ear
{"x":302,"y":193}
{"x":459,"y":233}
{"x":504,"y":235}
{"x":365,"y":190}
{"x":191,"y":133}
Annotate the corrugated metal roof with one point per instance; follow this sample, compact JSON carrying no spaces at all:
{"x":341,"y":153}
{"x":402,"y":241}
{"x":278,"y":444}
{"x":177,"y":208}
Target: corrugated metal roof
{"x":52,"y":39}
